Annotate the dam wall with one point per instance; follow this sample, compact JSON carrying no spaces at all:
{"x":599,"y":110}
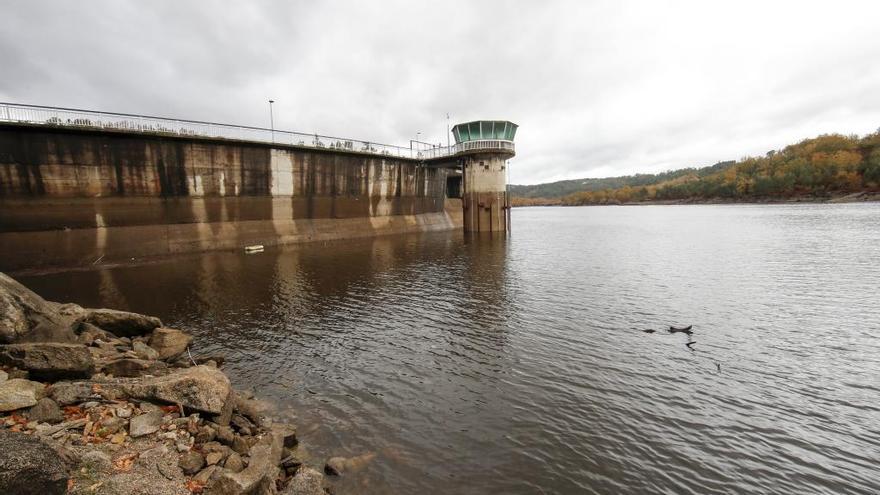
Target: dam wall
{"x":74,"y":196}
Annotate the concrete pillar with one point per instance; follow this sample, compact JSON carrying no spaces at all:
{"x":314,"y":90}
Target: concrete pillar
{"x":484,"y":192}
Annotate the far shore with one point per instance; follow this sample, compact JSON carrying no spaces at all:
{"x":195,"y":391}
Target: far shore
{"x":861,"y":197}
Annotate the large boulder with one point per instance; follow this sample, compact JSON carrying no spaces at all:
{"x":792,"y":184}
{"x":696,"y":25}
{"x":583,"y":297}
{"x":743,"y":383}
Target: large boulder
{"x":169,"y":343}
{"x":27,"y":317}
{"x":122,"y":323}
{"x":30,"y":467}
{"x":307,"y":481}
{"x":259,"y":476}
{"x":50,"y":360}
{"x":17,"y":393}
{"x":201,"y":388}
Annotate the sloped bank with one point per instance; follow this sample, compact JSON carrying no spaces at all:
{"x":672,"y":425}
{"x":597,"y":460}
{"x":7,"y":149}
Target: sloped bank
{"x":104,"y":401}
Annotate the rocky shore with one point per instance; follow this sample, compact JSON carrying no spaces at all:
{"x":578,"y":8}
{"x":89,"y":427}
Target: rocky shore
{"x":105,"y":401}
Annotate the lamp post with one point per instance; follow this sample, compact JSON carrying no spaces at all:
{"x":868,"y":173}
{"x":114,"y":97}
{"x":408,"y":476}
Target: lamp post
{"x":447,"y":130}
{"x":272,"y":120}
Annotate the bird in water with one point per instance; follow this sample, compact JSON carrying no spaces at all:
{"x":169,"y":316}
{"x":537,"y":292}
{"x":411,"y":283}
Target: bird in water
{"x":649,"y":330}
{"x":686,"y":330}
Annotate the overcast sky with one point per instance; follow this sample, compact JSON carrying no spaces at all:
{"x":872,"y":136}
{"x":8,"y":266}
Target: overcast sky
{"x":598,"y":88}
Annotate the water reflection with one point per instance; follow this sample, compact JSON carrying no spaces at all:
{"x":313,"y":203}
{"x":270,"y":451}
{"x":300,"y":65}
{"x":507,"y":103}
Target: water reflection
{"x":486,"y":365}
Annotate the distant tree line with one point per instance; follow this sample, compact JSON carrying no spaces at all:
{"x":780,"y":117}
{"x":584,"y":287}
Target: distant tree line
{"x":551,"y":190}
{"x":820,"y":167}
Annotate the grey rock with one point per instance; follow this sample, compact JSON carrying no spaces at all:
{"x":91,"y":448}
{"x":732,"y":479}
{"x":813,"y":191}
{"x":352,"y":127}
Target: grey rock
{"x":208,"y":474}
{"x":70,"y":393}
{"x":205,"y":434}
{"x":46,"y":411}
{"x":50,"y":361}
{"x":17,"y":394}
{"x":226,"y":412}
{"x":259,"y":476}
{"x":307,"y":481}
{"x":112,"y":425}
{"x":169,"y":342}
{"x":121,"y":323}
{"x":145,"y":424}
{"x":335,"y":466}
{"x":128,"y":367}
{"x":291,"y":462}
{"x":241,"y":423}
{"x":191,"y":462}
{"x":214,"y":458}
{"x":87,"y":334}
{"x":234,"y":462}
{"x":30,"y":467}
{"x":27,"y":317}
{"x":3,"y":376}
{"x":144,"y":351}
{"x":214,"y":447}
{"x":254,"y":410}
{"x":17,"y":373}
{"x":97,"y":460}
{"x":201,"y":388}
{"x":288,"y":432}
{"x":225,"y":435}
{"x":240,"y":445}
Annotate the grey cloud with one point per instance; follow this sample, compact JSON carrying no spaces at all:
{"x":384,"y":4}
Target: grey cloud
{"x":598,"y":88}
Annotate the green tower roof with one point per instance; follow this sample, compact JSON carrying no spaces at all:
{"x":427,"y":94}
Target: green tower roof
{"x":484,"y":129}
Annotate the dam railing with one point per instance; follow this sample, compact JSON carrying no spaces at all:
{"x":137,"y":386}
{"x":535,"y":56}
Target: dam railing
{"x":91,"y":119}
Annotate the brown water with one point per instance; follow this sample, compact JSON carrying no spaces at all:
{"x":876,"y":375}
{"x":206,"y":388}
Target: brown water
{"x":520,"y":365}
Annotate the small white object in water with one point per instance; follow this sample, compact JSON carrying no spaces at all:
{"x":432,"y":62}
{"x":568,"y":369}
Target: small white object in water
{"x":256,"y":248}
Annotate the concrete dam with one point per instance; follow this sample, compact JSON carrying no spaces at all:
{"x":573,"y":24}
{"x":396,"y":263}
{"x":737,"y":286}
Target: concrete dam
{"x":81,"y":187}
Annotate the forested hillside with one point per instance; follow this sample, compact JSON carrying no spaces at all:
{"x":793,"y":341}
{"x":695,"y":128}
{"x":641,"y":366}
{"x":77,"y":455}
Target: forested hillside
{"x":825,"y":166}
{"x":566,"y":187}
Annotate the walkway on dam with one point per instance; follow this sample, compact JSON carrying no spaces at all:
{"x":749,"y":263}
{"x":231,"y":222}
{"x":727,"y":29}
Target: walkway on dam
{"x":89,"y":119}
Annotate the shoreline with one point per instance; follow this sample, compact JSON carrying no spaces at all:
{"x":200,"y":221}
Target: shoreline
{"x":107,"y":401}
{"x":862,"y":197}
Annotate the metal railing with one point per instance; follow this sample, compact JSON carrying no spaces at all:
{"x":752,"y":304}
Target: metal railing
{"x":455,"y":149}
{"x":89,"y":119}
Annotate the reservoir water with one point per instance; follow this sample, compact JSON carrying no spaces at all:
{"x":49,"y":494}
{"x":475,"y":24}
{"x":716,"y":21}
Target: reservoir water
{"x":520,"y":365}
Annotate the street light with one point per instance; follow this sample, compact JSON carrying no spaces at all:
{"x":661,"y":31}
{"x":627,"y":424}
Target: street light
{"x":272,"y":120}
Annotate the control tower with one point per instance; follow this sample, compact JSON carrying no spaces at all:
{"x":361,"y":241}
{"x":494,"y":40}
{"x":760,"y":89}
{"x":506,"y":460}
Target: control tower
{"x":483,"y":148}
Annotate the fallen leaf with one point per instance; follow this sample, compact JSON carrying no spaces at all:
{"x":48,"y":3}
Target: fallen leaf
{"x":71,"y":483}
{"x":118,"y":438}
{"x":195,"y":486}
{"x":96,"y":388}
{"x":125,"y":462}
{"x":73,"y":412}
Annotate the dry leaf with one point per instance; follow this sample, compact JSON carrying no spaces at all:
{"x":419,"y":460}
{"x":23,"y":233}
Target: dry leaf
{"x":71,"y":483}
{"x":125,"y":462}
{"x":195,"y":486}
{"x":96,"y":388}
